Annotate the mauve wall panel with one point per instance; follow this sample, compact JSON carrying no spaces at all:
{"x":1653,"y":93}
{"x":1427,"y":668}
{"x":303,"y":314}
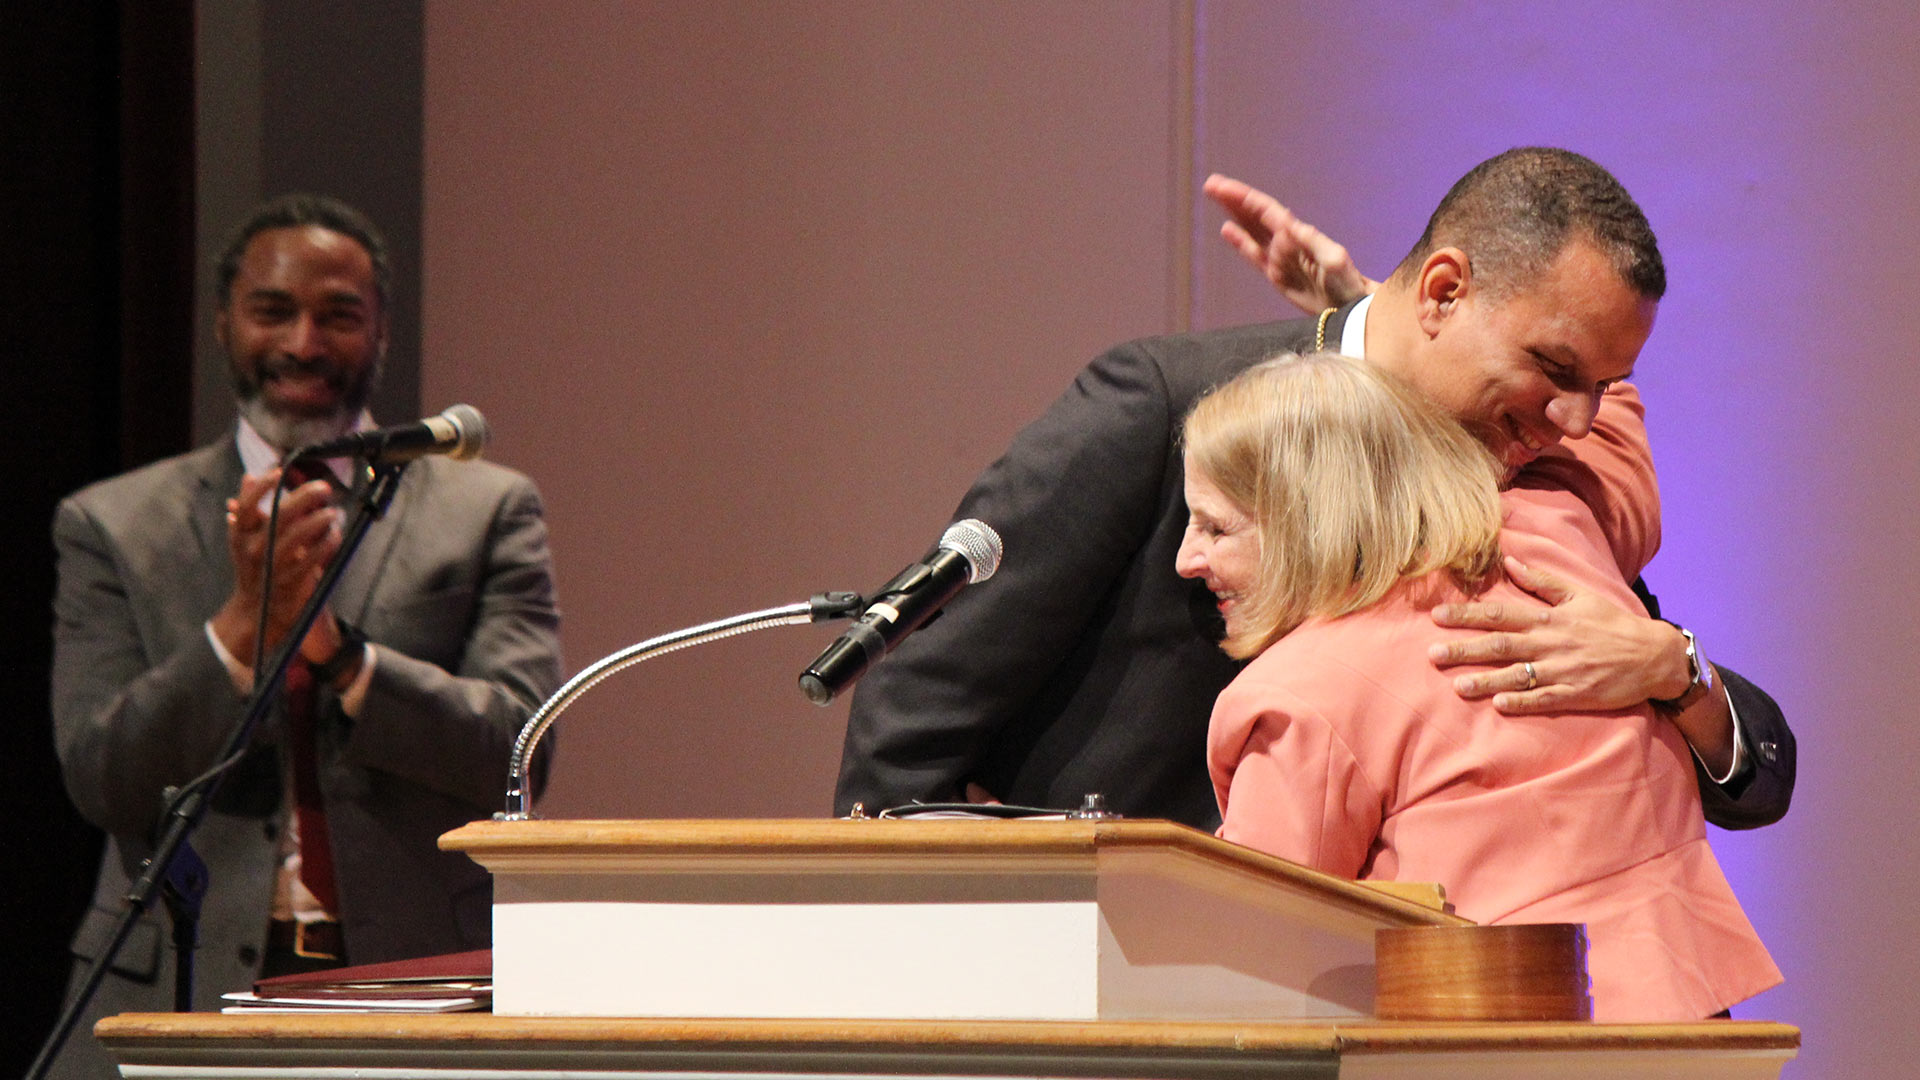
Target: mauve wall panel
{"x":753,"y":290}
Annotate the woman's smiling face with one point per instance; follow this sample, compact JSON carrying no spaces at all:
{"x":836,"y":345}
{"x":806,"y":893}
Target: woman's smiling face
{"x":1221,"y":546}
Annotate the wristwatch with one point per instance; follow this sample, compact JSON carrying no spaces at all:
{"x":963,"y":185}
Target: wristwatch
{"x":353,"y":645}
{"x":1698,"y":670}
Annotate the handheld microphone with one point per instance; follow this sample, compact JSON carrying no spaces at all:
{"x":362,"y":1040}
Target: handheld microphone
{"x":460,"y":432}
{"x":969,"y":551}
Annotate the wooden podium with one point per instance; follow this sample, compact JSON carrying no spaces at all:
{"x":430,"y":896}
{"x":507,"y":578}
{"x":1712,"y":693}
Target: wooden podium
{"x":953,"y":919}
{"x":926,"y":949}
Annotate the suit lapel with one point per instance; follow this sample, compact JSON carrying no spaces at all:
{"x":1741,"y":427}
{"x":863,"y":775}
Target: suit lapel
{"x":354,"y":597}
{"x":217,"y":478}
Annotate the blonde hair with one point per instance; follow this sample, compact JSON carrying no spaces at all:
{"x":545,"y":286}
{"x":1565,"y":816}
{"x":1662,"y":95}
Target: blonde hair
{"x":1356,"y":483}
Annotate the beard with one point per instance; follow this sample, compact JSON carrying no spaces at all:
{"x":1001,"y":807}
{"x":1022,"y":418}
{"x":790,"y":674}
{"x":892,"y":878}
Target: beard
{"x":288,"y":429}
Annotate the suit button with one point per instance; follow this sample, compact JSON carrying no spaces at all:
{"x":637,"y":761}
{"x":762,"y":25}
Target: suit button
{"x":1770,"y":751}
{"x":249,"y":955}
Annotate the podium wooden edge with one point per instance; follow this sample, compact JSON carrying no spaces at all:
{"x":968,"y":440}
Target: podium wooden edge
{"x":991,"y":846}
{"x":480,"y":1030}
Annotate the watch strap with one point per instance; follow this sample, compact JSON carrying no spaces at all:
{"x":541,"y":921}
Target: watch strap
{"x":353,"y":646}
{"x":1698,"y":670}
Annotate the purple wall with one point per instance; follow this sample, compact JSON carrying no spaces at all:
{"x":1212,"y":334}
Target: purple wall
{"x":1776,"y":156}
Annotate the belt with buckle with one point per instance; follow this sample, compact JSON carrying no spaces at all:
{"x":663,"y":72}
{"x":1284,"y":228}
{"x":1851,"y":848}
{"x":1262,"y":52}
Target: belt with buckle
{"x":309,"y":940}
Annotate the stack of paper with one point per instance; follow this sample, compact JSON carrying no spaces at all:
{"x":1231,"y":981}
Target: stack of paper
{"x":456,"y":982}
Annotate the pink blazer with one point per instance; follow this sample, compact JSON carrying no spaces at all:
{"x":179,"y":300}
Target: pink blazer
{"x":1342,"y":748}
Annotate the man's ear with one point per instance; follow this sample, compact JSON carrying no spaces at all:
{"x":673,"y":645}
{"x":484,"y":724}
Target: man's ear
{"x":222,"y":326}
{"x":1444,"y":280}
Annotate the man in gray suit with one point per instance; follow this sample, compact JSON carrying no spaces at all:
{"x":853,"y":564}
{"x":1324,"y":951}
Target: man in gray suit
{"x":440,"y":641}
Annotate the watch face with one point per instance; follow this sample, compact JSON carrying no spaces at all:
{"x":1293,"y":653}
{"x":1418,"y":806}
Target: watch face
{"x":1695,"y":667}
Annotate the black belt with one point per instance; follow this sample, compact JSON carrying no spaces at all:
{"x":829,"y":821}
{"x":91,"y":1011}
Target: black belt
{"x":309,"y":940}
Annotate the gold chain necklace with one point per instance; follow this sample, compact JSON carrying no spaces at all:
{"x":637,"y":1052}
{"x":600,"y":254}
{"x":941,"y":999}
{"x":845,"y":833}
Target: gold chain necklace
{"x":1320,"y":331}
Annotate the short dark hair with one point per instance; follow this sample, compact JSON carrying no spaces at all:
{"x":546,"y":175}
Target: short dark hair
{"x":1513,"y":214}
{"x":294,"y":211}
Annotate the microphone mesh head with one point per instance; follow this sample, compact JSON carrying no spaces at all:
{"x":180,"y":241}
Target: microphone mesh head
{"x":975,"y":541}
{"x":473,"y":430}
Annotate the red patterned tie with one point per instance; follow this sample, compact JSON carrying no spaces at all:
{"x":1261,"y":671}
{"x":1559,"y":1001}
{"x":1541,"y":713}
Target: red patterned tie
{"x":303,"y":699}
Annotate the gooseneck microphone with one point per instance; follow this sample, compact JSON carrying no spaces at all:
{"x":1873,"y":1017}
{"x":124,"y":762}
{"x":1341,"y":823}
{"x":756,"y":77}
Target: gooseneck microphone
{"x":968,"y":552}
{"x":460,"y":432}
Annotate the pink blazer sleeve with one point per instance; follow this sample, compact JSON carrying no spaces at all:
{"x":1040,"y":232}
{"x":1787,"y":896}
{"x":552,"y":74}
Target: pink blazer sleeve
{"x":1611,"y":470}
{"x":1287,"y":783}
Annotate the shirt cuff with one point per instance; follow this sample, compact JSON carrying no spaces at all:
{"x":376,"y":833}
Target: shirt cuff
{"x":242,"y":674}
{"x":354,"y":696}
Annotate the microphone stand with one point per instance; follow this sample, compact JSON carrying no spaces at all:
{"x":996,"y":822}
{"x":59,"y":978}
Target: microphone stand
{"x":820,"y":608}
{"x":174,"y":865}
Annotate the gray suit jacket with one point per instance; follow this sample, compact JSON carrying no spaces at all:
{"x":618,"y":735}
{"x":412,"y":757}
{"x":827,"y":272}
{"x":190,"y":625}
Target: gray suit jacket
{"x":454,"y":588}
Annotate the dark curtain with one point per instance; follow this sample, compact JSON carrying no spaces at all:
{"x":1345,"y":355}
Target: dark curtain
{"x":97,"y":276}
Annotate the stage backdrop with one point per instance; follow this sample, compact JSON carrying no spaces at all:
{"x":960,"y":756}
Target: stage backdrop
{"x":754,"y":289}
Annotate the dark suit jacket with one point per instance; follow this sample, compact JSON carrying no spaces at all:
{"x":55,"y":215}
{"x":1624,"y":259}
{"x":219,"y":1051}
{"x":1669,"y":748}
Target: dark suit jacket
{"x":454,"y":587}
{"x":1087,"y":664}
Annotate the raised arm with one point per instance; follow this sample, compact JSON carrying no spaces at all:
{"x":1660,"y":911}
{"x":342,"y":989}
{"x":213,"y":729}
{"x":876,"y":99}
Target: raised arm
{"x":444,"y":706}
{"x":131,"y":716}
{"x":464,"y":646}
{"x":1311,"y":271}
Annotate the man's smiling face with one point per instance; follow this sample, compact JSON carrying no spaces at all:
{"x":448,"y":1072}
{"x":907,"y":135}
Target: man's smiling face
{"x":304,"y":332}
{"x":1525,"y":369}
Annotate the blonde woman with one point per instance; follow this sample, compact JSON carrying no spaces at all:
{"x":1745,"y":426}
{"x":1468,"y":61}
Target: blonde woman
{"x":1331,"y":508}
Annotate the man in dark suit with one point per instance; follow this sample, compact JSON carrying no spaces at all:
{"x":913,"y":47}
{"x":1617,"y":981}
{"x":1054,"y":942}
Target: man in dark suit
{"x":1089,"y":665}
{"x":409,"y":691}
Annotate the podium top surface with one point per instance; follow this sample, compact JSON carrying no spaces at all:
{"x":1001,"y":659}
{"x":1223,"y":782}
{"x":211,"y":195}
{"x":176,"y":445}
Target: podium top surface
{"x":947,"y":846}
